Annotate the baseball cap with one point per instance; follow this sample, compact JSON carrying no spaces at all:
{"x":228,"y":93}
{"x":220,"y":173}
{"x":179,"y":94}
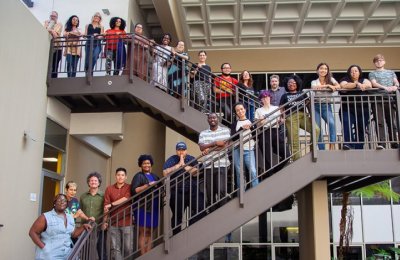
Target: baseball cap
{"x":181,"y":146}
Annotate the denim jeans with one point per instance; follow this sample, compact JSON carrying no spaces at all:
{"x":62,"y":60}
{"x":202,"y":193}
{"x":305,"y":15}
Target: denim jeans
{"x":355,"y":120}
{"x":57,"y":55}
{"x":122,"y":242}
{"x":324,"y":111}
{"x":249,"y":164}
{"x":72,"y":64}
{"x":95,"y":56}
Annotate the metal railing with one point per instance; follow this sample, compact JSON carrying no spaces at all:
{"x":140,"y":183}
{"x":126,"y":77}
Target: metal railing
{"x":134,"y":55}
{"x":179,"y":200}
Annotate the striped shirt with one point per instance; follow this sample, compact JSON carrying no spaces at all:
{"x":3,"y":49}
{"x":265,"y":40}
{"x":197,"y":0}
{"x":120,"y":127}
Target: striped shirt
{"x":220,"y":158}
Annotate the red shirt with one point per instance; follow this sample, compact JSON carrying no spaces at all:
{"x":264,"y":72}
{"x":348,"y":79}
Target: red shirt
{"x":224,"y":83}
{"x":123,"y":215}
{"x":112,"y":38}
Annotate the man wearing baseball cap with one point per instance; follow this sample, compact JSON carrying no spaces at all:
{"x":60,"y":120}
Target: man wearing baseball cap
{"x":184,"y":186}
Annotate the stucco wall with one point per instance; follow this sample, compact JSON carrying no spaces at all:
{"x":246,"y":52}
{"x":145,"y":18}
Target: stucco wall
{"x":23,"y":66}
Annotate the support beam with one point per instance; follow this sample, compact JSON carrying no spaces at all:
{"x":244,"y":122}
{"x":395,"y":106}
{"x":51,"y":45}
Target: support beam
{"x":314,"y":221}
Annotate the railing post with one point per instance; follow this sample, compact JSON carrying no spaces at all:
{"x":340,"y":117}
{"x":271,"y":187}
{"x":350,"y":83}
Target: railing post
{"x":167,"y":215}
{"x":237,"y":89}
{"x":183,"y":84}
{"x":242,"y":185}
{"x":314,"y":137}
{"x":398,"y":114}
{"x":89,"y":72}
{"x":131,"y":61}
{"x":50,"y":65}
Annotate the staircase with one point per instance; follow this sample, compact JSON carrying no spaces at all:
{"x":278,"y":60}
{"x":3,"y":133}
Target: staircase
{"x":179,"y":108}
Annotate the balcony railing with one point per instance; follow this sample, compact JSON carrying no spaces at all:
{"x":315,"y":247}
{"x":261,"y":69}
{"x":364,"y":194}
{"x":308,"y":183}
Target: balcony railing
{"x":184,"y":197}
{"x":134,"y":55}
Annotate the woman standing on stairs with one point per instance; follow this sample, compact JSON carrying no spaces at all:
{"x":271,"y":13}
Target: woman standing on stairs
{"x":162,"y":55}
{"x":93,"y":30}
{"x":201,"y":75}
{"x":146,"y":207}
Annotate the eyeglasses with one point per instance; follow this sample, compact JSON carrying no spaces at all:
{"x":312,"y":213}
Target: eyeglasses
{"x":225,"y":68}
{"x":61,"y":200}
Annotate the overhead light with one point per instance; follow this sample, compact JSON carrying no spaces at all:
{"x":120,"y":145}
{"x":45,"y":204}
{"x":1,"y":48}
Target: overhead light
{"x":106,"y":11}
{"x":296,"y":229}
{"x":50,"y":159}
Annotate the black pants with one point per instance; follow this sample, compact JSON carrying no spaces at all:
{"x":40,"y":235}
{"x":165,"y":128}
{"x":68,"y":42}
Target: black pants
{"x":189,"y":197}
{"x":216,"y":185}
{"x":57,"y":55}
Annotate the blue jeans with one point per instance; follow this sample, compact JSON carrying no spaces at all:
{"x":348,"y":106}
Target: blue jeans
{"x":354,"y":123}
{"x":96,"y":53}
{"x":324,"y":111}
{"x":249,"y":160}
{"x":249,"y":110}
{"x":72,"y":64}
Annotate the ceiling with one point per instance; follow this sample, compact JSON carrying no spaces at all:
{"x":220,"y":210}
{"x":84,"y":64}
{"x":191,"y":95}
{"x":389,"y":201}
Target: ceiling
{"x":235,"y":24}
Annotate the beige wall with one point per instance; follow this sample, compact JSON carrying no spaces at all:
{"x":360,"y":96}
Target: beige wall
{"x":83,"y":160}
{"x":142,"y":135}
{"x":23,"y":67}
{"x":299,"y":59}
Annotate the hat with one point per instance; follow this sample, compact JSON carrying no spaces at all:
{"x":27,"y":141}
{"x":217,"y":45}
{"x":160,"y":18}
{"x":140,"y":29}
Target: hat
{"x":264,"y":93}
{"x":181,"y":146}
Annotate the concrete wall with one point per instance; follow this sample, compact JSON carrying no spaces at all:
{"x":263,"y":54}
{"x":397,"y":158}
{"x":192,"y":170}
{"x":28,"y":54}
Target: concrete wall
{"x":142,"y":135}
{"x":83,"y":160}
{"x":23,"y":67}
{"x":301,"y":59}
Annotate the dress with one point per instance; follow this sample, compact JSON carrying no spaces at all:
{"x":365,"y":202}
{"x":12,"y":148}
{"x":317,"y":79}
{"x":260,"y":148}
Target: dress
{"x":147,"y":214}
{"x":162,"y":54}
{"x":202,"y":86}
{"x":56,"y":237}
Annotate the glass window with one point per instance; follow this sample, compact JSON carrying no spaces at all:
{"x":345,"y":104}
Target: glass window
{"x":286,"y":253}
{"x":379,"y":251}
{"x":52,"y":159}
{"x":254,"y":252}
{"x":223,"y":253}
{"x":395,"y":183}
{"x":257,"y":230}
{"x":285,"y":226}
{"x":337,"y":199}
{"x":353,"y":253}
{"x":259,"y":81}
{"x":56,"y":135}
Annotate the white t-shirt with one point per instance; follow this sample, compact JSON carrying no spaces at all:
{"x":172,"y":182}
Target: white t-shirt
{"x":249,"y":145}
{"x":316,"y":83}
{"x":271,"y":118}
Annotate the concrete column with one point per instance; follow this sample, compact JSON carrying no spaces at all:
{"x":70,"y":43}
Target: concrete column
{"x":314,"y":221}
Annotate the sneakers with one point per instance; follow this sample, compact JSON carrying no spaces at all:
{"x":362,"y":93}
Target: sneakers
{"x":380,"y":147}
{"x":346,"y":147}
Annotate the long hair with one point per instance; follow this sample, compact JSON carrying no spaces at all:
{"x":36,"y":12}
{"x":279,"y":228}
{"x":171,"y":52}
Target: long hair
{"x":348,"y":73}
{"x":68,"y":25}
{"x":114,"y":20}
{"x":250,"y":83}
{"x":328,"y":77}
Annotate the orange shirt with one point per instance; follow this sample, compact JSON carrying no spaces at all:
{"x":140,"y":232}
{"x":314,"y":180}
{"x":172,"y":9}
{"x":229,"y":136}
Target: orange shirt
{"x":112,"y":38}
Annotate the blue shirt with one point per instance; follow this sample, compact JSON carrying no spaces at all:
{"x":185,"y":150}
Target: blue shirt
{"x":174,"y":160}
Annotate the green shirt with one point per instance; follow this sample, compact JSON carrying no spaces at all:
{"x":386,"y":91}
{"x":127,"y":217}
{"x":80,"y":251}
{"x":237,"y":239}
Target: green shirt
{"x":92,"y":206}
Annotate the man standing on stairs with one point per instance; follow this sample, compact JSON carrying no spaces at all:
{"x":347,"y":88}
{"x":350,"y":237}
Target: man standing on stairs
{"x":216,"y":162}
{"x":119,"y":221}
{"x":185,"y":191}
